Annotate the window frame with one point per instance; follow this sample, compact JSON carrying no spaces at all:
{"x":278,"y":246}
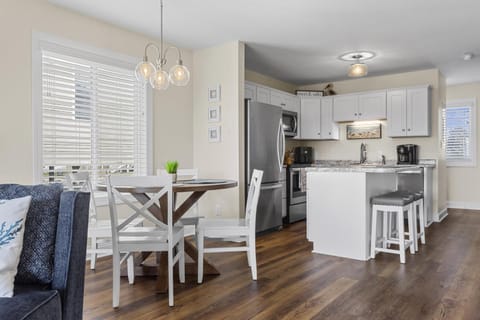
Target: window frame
{"x":42,"y":41}
{"x":472,"y":103}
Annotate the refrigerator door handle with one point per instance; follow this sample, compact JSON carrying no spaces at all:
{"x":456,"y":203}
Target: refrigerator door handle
{"x":283,"y":145}
{"x":280,"y":135}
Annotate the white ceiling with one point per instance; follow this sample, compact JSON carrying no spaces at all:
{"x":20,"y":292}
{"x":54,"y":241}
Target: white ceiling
{"x":299,"y":41}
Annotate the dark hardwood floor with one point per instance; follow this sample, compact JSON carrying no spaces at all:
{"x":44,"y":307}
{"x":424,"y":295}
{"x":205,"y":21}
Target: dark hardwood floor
{"x":442,"y":281}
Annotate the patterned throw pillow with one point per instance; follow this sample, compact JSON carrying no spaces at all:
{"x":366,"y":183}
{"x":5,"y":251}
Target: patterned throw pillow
{"x":12,"y":225}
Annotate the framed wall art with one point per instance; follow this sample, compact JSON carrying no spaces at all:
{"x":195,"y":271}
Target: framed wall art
{"x":214,"y":94}
{"x":214,"y":134}
{"x":364,"y":131}
{"x":214,"y":114}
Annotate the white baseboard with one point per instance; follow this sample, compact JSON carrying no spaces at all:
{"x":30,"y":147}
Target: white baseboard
{"x":464,"y":205}
{"x":442,"y":214}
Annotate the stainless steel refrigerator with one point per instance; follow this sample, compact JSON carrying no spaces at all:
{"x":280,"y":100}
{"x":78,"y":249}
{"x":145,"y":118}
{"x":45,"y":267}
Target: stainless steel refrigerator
{"x":264,"y":149}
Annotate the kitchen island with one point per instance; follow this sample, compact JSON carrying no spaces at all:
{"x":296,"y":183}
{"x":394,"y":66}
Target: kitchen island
{"x":338,"y":206}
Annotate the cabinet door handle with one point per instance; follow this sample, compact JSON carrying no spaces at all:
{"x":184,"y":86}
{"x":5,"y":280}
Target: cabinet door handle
{"x":283,"y":104}
{"x":359,"y":114}
{"x":318,"y":133}
{"x":409,"y":130}
{"x":329,"y":133}
{"x":403,"y":129}
{"x":355,"y":114}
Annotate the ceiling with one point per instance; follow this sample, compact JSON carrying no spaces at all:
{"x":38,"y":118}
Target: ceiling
{"x":299,"y":41}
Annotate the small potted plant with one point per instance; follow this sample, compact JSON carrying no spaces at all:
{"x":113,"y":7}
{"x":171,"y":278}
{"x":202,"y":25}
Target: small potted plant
{"x":171,"y":168}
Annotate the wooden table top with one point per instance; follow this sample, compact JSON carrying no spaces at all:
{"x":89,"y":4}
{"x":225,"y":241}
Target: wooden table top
{"x":177,"y":187}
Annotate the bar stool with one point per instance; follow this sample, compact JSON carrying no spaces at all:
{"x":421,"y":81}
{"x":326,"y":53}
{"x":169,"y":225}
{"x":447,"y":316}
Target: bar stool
{"x":419,"y":217}
{"x":393,"y":205}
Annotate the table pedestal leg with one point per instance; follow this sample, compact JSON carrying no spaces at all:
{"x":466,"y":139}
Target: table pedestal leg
{"x":190,"y":268}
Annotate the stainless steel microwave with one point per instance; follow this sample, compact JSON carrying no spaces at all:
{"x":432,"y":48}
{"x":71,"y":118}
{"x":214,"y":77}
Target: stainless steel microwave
{"x":290,"y":123}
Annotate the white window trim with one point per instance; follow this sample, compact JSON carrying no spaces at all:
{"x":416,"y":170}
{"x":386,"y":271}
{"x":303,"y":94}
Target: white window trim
{"x":42,"y":41}
{"x":471,"y":102}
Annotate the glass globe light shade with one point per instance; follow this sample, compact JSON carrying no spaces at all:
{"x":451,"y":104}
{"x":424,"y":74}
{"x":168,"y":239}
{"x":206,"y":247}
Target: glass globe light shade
{"x":179,"y":75}
{"x":358,"y":70}
{"x":159,"y":80}
{"x":144,"y":70}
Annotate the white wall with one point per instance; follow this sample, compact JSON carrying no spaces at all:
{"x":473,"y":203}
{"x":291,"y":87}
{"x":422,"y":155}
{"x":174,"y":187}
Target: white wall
{"x":172,"y":110}
{"x":464,"y":182}
{"x":221,"y":65}
{"x":430,"y":147}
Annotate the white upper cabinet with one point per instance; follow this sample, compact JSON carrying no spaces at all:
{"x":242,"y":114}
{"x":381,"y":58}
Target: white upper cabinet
{"x":345,"y":108}
{"x":317,"y":119}
{"x":361,"y":106}
{"x":311,"y":118}
{"x":408,"y":112}
{"x":328,"y":128}
{"x":418,"y":112}
{"x":285,"y":100}
{"x":278,"y":98}
{"x":250,"y":91}
{"x":372,"y":106}
{"x":263,"y":94}
{"x":396,"y":112}
{"x":292,"y":103}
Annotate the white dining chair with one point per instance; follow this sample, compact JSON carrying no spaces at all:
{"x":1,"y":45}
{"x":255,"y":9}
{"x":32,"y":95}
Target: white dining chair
{"x":190,"y":219}
{"x":159,"y":237}
{"x":99,"y":230}
{"x":233,"y":230}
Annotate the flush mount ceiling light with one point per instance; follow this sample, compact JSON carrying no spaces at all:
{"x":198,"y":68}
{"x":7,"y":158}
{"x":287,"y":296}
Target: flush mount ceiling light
{"x":359,"y":68}
{"x":159,"y":79}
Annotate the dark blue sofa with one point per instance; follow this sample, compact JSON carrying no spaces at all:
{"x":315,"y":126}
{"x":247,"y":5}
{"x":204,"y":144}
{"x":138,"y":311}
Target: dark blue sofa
{"x":51,"y":273}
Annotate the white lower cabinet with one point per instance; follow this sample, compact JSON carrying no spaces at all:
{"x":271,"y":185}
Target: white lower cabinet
{"x":408,"y":112}
{"x":316,"y":121}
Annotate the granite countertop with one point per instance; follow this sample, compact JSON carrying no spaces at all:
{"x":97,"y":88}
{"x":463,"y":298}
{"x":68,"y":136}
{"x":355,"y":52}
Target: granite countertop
{"x":372,"y":167}
{"x":363,"y":168}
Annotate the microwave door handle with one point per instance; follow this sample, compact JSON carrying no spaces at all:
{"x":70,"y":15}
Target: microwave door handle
{"x":294,"y":124}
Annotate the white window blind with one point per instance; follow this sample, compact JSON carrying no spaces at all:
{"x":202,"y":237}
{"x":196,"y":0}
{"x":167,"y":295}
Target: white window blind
{"x":93,"y":119}
{"x":458,"y":130}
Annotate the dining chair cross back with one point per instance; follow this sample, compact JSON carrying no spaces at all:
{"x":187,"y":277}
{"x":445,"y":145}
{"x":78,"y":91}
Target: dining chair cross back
{"x":233,"y":230}
{"x":190,"y":219}
{"x":99,"y":230}
{"x":162,"y":236}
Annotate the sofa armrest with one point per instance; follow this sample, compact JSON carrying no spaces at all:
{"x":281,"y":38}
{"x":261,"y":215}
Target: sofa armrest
{"x":70,"y":252}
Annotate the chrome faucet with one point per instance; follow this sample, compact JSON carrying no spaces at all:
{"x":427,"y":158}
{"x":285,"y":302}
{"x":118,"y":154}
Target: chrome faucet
{"x":363,"y":153}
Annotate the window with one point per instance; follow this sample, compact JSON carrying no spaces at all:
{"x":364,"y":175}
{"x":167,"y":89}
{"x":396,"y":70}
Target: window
{"x":91,"y":116}
{"x":459,"y":133}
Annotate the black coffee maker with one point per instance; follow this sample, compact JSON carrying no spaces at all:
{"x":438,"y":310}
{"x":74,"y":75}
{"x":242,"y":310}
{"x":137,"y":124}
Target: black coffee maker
{"x":304,"y":155}
{"x":407,"y":154}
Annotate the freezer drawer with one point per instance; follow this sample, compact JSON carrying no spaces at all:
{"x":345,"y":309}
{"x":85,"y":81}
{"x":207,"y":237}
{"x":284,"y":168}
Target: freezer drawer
{"x":269,"y":210}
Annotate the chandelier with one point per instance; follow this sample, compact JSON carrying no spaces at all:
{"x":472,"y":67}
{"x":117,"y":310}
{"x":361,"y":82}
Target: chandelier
{"x":159,"y":79}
